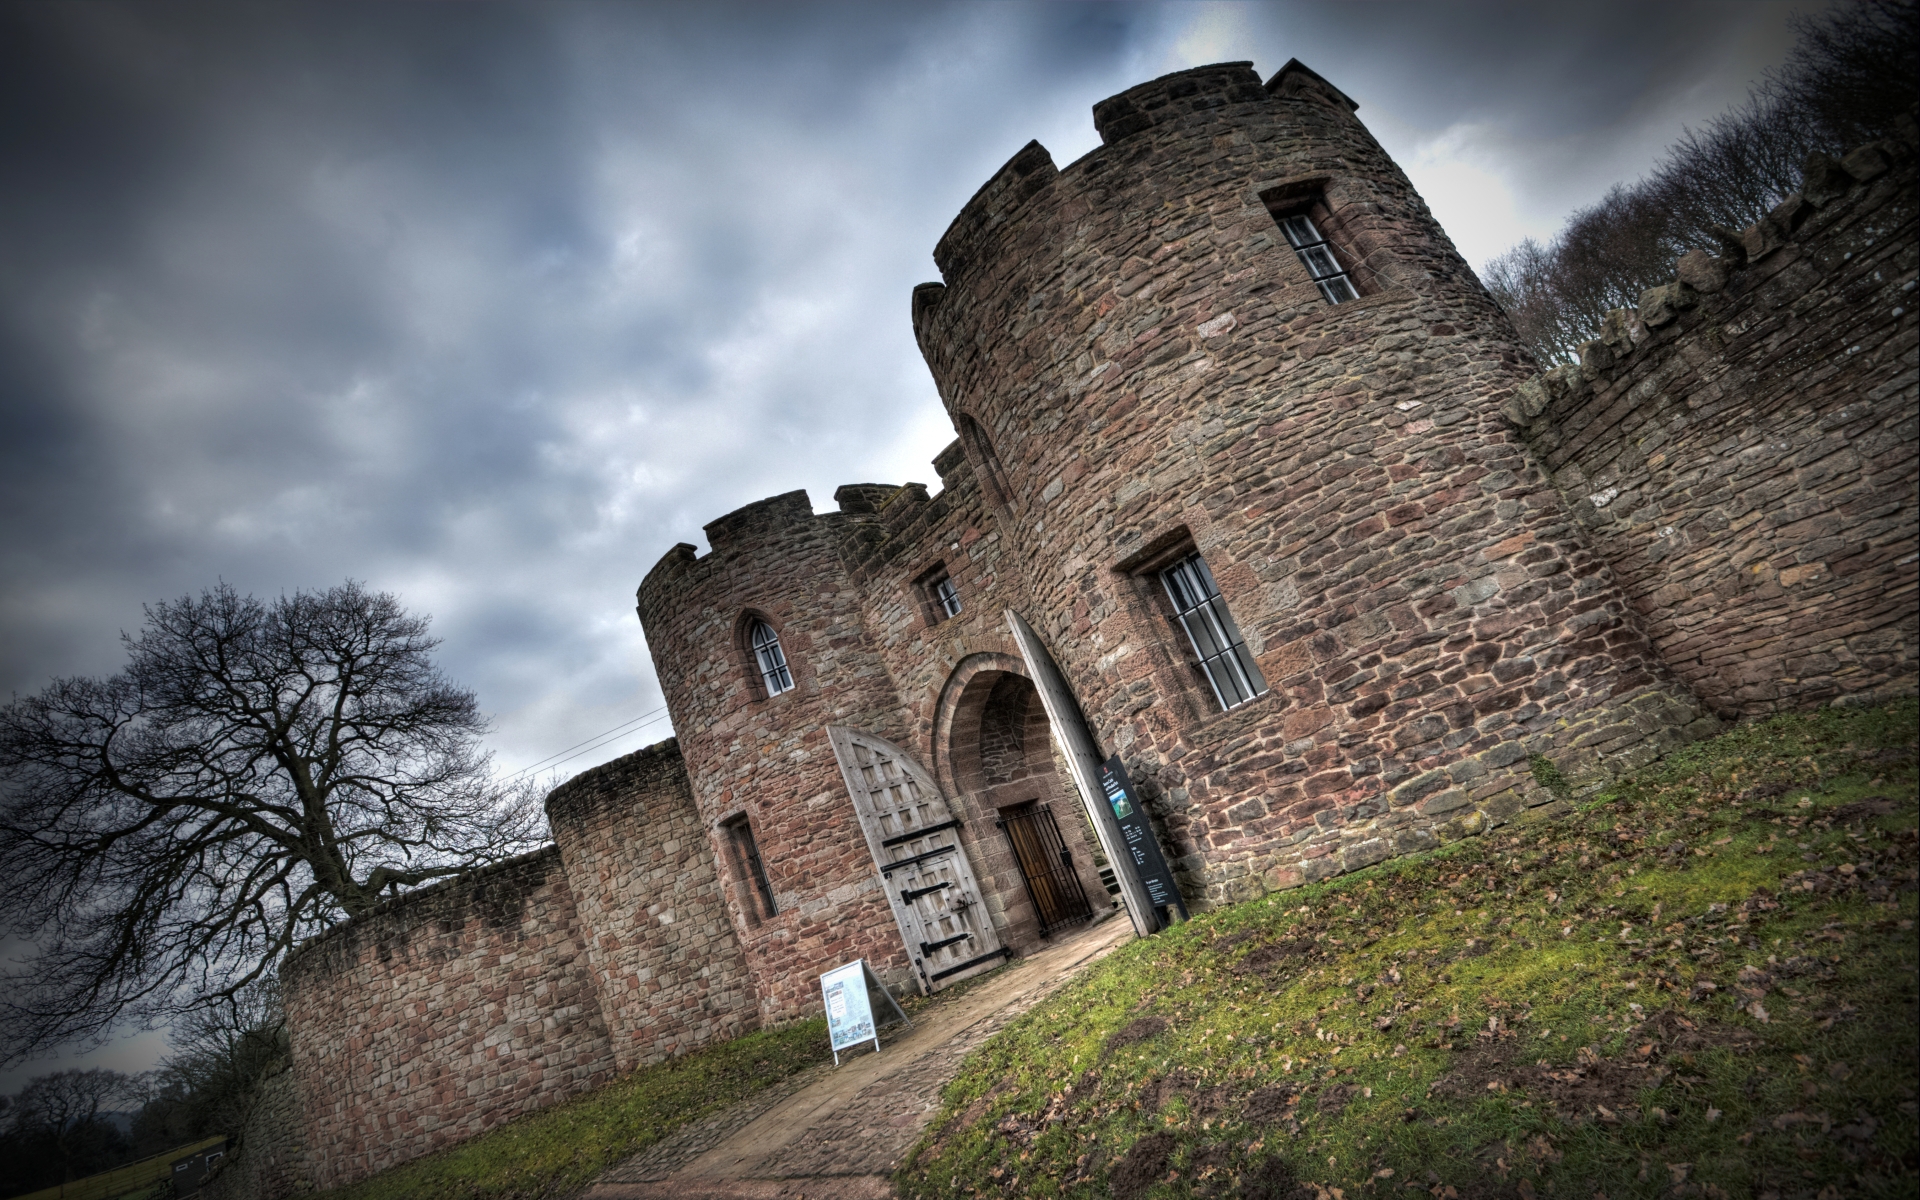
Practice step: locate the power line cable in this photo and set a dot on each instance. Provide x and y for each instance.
(577, 745)
(609, 739)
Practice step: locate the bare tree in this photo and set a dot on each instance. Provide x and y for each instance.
(257, 773)
(1852, 70)
(58, 1123)
(222, 1053)
(1522, 282)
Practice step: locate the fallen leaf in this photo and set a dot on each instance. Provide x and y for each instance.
(1679, 1171)
(1758, 1012)
(1713, 1114)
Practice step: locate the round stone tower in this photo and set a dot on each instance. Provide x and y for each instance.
(801, 884)
(1235, 330)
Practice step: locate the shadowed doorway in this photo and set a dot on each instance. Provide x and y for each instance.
(1039, 854)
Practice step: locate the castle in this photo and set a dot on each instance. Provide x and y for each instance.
(1253, 489)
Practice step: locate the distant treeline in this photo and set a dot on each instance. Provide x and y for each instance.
(1850, 78)
(66, 1125)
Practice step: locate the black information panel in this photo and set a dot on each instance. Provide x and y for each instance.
(1148, 863)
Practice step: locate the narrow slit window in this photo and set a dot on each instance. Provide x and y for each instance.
(747, 851)
(1223, 654)
(772, 661)
(1316, 255)
(946, 597)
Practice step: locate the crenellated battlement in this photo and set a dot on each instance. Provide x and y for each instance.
(1175, 97)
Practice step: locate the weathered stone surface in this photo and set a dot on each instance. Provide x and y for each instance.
(1703, 272)
(1749, 474)
(447, 1012)
(670, 972)
(1663, 305)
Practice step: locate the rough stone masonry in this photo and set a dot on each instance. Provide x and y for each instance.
(1441, 562)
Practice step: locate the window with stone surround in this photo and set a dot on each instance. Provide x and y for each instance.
(941, 597)
(776, 676)
(756, 891)
(1315, 230)
(1221, 652)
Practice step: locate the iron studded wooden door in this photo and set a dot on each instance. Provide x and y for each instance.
(915, 843)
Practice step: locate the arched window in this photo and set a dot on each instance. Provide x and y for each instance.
(775, 675)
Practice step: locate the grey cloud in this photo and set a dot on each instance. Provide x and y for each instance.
(492, 304)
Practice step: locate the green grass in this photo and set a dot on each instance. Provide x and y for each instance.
(560, 1149)
(1701, 983)
(556, 1151)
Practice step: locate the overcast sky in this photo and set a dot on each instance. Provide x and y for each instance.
(490, 305)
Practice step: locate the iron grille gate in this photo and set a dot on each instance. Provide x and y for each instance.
(1046, 867)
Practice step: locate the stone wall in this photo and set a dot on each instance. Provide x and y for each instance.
(1742, 447)
(445, 1013)
(670, 971)
(268, 1160)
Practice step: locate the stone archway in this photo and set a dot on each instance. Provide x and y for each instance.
(994, 753)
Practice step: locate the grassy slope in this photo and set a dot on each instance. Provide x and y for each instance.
(1702, 983)
(559, 1149)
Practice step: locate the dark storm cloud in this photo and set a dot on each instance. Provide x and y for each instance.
(490, 305)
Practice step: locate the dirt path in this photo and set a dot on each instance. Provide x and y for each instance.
(839, 1133)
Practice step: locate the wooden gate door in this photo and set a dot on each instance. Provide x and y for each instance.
(915, 842)
(1046, 867)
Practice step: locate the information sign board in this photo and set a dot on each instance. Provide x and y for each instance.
(1148, 863)
(848, 992)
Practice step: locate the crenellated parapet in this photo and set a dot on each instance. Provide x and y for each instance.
(1741, 445)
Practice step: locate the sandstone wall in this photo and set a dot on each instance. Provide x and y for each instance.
(269, 1160)
(767, 757)
(947, 670)
(670, 971)
(1151, 370)
(1742, 447)
(449, 1011)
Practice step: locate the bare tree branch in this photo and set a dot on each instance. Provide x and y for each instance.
(257, 773)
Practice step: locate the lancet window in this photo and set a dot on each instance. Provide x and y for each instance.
(775, 675)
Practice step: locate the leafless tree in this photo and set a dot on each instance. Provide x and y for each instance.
(211, 1083)
(61, 1117)
(257, 773)
(1850, 76)
(1522, 283)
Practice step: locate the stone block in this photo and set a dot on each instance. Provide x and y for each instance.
(1444, 802)
(1364, 854)
(1703, 272)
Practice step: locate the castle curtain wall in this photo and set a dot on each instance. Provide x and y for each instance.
(1742, 449)
(670, 972)
(447, 1012)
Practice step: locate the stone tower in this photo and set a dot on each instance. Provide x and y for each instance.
(1142, 366)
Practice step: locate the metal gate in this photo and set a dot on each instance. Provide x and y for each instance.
(1046, 866)
(914, 838)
